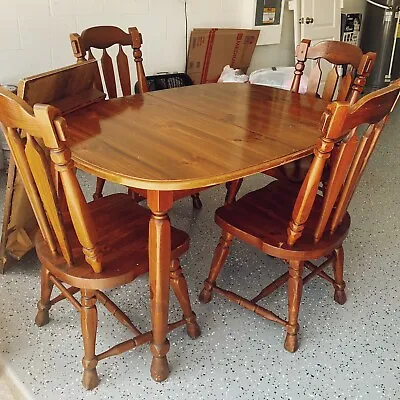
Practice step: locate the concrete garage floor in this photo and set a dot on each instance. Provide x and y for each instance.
(346, 352)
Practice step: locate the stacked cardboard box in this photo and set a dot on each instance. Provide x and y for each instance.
(211, 49)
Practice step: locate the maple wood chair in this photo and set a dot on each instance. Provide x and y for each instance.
(88, 246)
(343, 56)
(295, 223)
(357, 67)
(66, 88)
(104, 37)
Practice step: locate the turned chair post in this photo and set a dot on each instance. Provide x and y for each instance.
(77, 47)
(362, 74)
(137, 42)
(301, 56)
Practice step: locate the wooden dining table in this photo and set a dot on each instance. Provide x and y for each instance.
(186, 138)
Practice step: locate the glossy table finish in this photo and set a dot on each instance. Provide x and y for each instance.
(188, 138)
(193, 136)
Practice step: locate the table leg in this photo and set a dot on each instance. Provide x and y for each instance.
(159, 265)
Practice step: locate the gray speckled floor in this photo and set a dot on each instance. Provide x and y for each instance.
(346, 352)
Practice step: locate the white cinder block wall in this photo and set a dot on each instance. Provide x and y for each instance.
(35, 33)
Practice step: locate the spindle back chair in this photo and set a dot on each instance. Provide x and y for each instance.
(104, 37)
(32, 164)
(340, 55)
(67, 88)
(293, 222)
(89, 246)
(357, 67)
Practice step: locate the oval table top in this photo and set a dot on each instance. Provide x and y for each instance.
(193, 136)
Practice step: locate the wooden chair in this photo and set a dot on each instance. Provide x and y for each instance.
(343, 56)
(104, 37)
(357, 67)
(296, 224)
(67, 88)
(88, 246)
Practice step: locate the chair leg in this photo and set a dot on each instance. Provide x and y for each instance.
(89, 328)
(340, 295)
(295, 288)
(197, 204)
(46, 287)
(179, 285)
(99, 189)
(135, 196)
(232, 189)
(227, 187)
(220, 255)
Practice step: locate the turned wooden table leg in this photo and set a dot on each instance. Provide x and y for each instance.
(159, 265)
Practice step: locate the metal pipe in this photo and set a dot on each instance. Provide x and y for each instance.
(379, 5)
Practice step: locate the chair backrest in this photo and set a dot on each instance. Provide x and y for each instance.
(338, 128)
(44, 123)
(357, 67)
(104, 37)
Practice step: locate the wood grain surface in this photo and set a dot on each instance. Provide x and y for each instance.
(193, 136)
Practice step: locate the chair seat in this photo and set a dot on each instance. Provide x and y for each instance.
(261, 218)
(123, 225)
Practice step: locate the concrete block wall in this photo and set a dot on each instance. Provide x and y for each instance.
(35, 33)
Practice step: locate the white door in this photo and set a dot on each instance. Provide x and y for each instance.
(318, 20)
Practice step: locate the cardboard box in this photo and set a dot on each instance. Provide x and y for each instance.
(211, 49)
